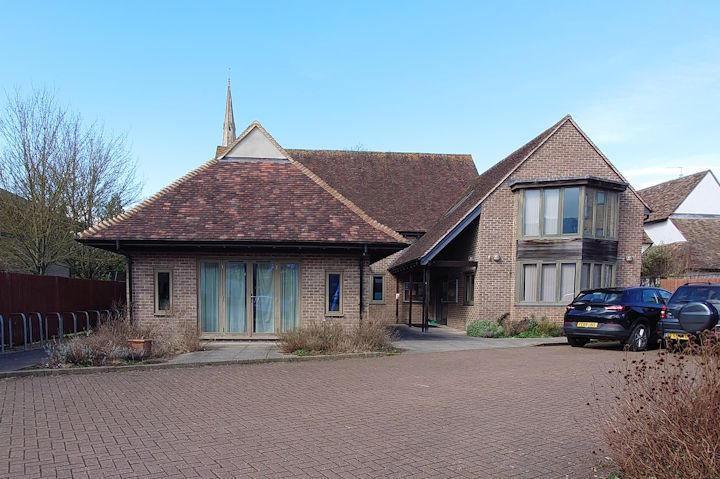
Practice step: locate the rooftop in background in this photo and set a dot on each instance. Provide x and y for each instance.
(701, 251)
(665, 198)
(406, 191)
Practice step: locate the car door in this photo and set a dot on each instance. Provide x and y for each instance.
(652, 303)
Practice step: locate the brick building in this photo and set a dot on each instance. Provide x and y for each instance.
(261, 239)
(551, 219)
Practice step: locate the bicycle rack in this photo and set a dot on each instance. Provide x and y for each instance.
(74, 317)
(39, 317)
(87, 321)
(25, 329)
(60, 326)
(97, 312)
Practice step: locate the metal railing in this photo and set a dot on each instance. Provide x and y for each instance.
(44, 328)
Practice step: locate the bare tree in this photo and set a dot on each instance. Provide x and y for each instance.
(33, 168)
(64, 177)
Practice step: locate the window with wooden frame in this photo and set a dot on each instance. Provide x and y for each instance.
(544, 282)
(569, 211)
(163, 291)
(378, 289)
(449, 291)
(469, 288)
(418, 292)
(333, 293)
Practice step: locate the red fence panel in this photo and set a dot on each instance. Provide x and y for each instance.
(671, 284)
(25, 293)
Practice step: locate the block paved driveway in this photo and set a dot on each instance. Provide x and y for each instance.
(490, 413)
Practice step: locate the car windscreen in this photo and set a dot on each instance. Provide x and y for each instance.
(688, 294)
(600, 297)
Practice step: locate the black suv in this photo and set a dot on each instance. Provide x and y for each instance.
(629, 315)
(692, 308)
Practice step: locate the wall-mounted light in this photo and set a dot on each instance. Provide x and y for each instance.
(629, 258)
(494, 257)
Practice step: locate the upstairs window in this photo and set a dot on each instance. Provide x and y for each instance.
(571, 209)
(557, 211)
(532, 213)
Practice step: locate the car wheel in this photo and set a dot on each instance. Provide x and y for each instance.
(577, 342)
(638, 339)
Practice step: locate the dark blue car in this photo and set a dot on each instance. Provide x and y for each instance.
(629, 315)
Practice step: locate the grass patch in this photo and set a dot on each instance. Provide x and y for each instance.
(328, 337)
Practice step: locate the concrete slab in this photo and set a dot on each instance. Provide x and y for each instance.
(231, 351)
(443, 339)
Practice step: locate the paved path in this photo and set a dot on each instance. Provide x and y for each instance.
(222, 351)
(16, 360)
(409, 339)
(439, 339)
(517, 412)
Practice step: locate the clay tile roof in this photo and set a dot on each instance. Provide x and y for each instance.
(469, 200)
(223, 200)
(406, 191)
(701, 252)
(666, 197)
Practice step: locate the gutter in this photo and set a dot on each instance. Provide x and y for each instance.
(128, 280)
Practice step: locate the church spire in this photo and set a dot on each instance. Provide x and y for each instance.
(229, 125)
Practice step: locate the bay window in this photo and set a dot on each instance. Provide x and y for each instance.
(558, 282)
(569, 211)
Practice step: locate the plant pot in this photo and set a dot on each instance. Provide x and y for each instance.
(142, 348)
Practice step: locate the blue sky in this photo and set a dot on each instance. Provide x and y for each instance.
(641, 78)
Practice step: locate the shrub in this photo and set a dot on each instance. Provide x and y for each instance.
(483, 328)
(663, 417)
(329, 337)
(545, 328)
(532, 328)
(515, 328)
(370, 336)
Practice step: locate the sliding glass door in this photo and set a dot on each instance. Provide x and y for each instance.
(210, 297)
(245, 298)
(235, 297)
(263, 298)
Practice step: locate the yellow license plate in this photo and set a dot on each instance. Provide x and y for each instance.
(585, 324)
(679, 336)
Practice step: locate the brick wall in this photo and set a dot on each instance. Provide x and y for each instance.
(568, 153)
(384, 311)
(185, 287)
(565, 154)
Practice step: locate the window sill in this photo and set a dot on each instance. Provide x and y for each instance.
(377, 302)
(334, 315)
(162, 313)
